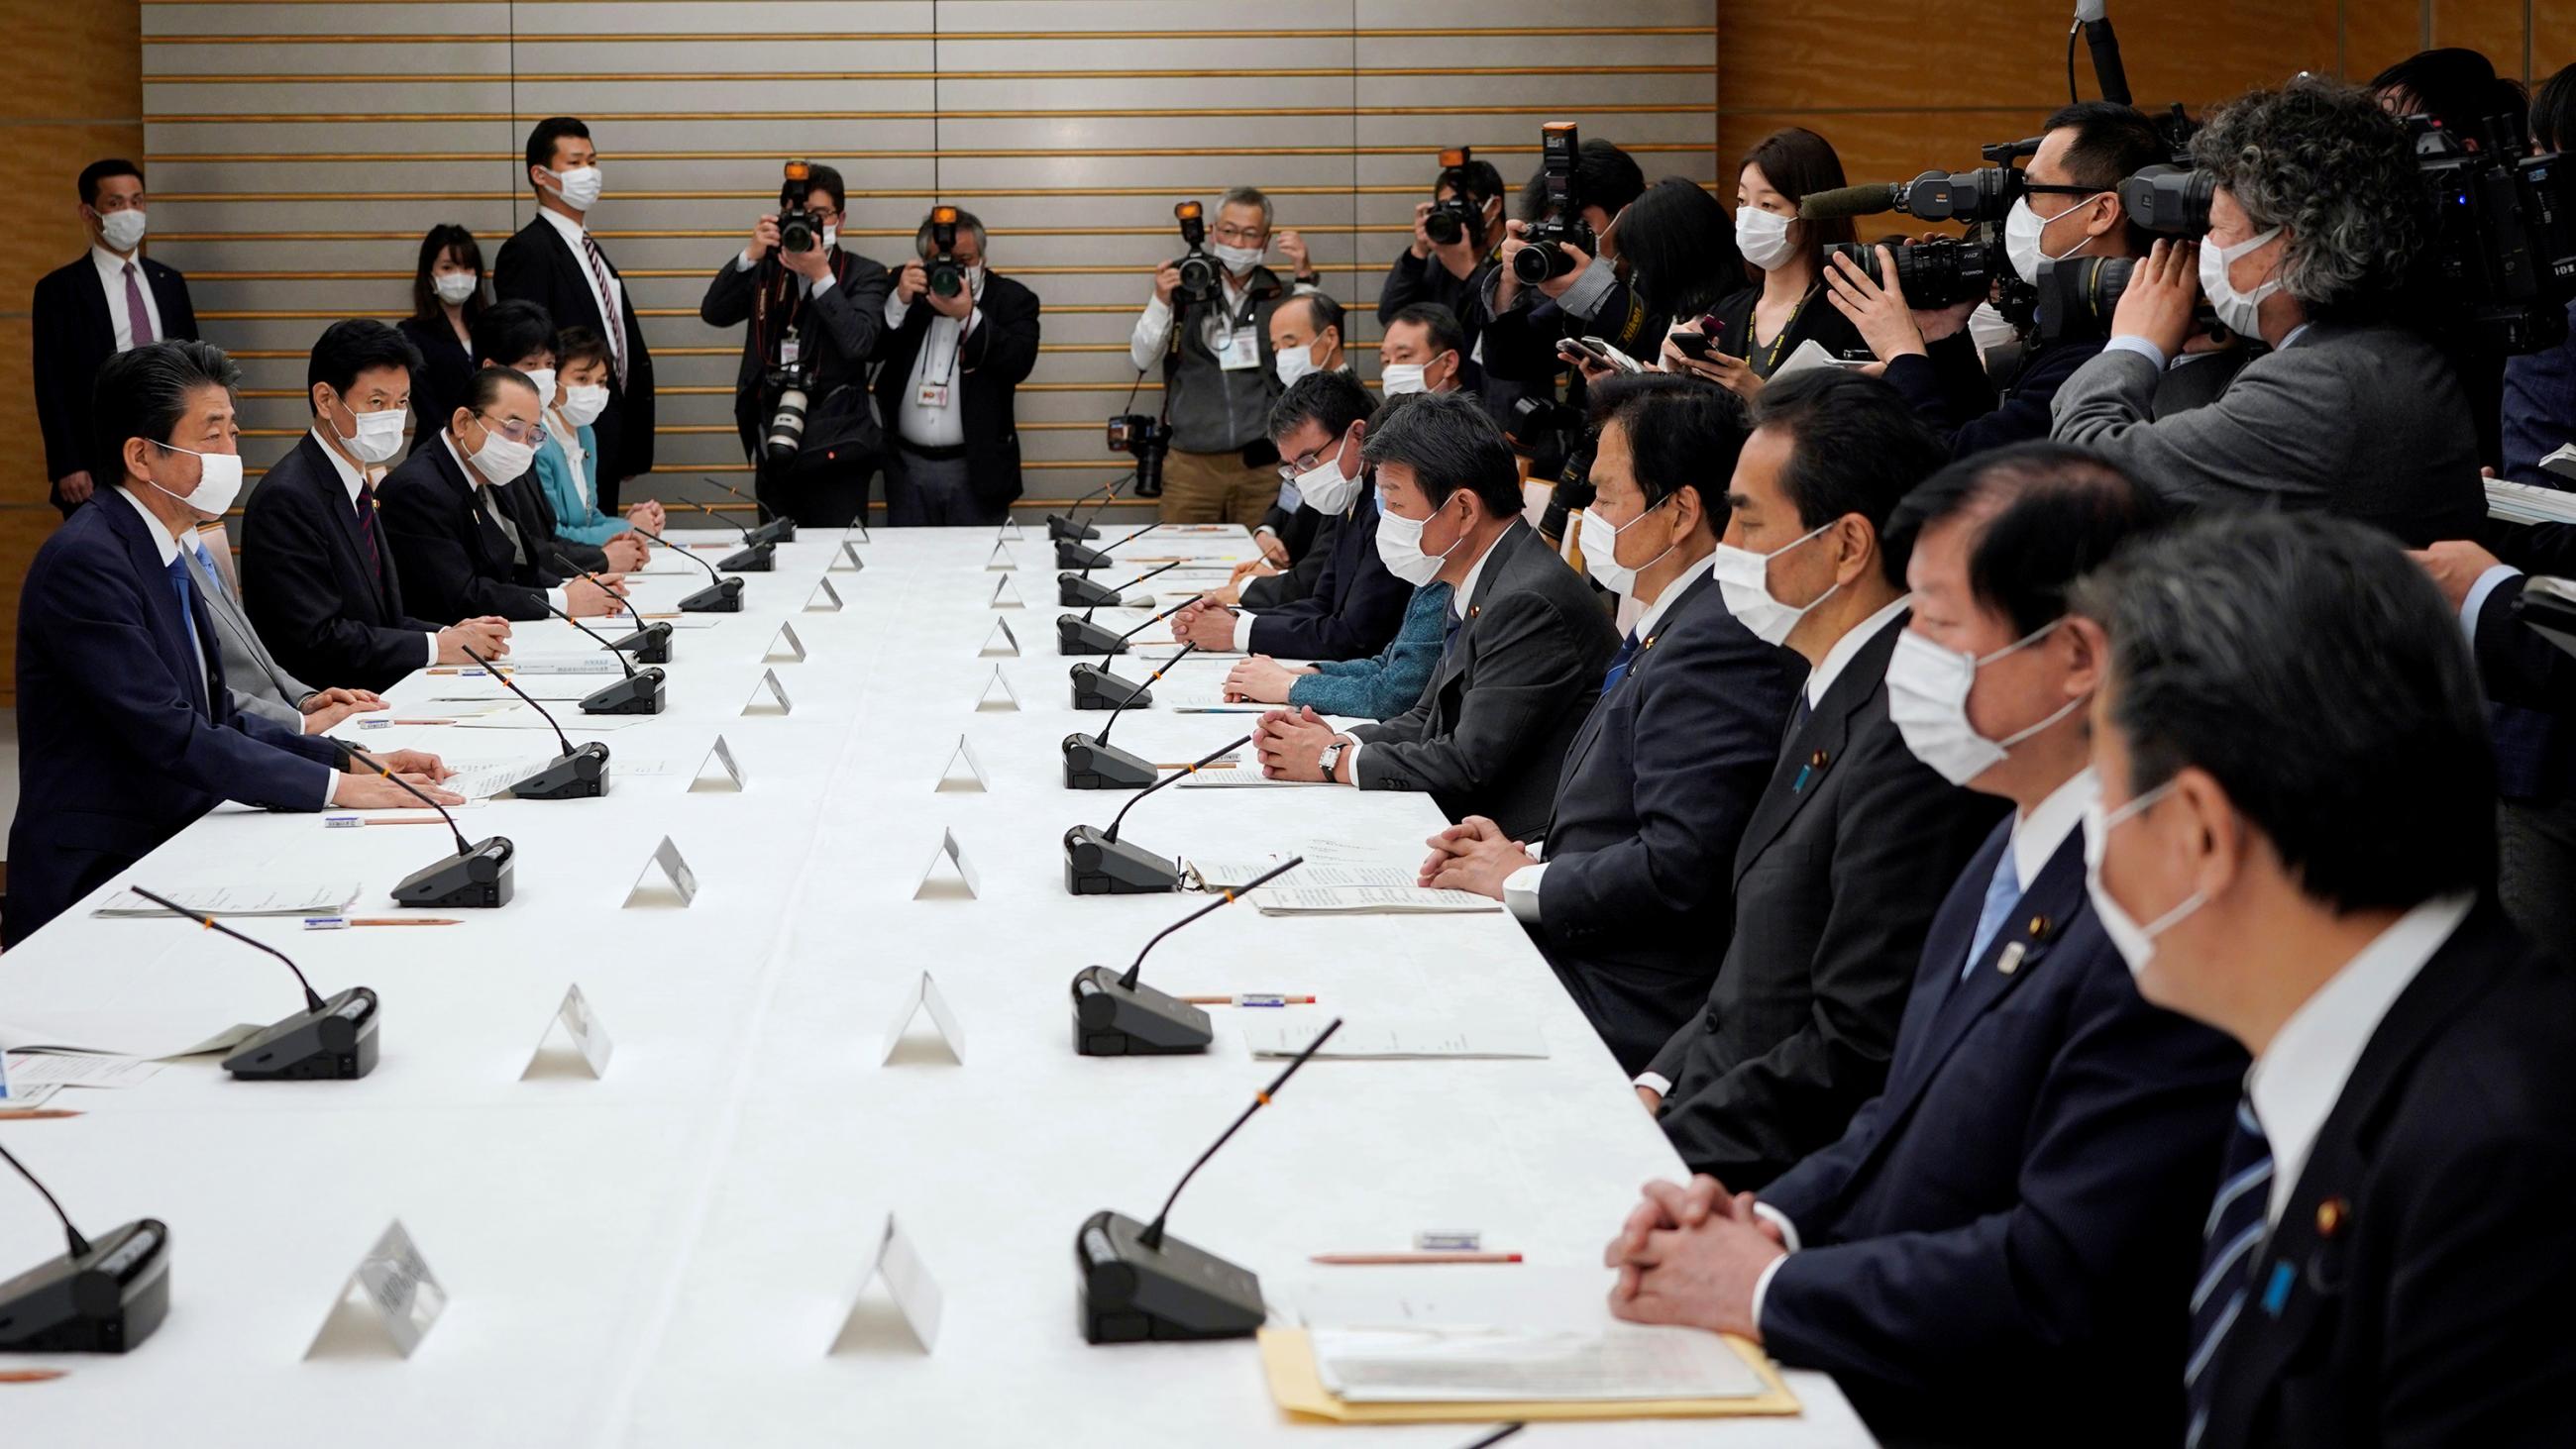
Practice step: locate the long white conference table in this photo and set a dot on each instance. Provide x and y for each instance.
(665, 1255)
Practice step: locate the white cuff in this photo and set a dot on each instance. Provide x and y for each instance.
(331, 788)
(1654, 1082)
(1762, 1288)
(1265, 528)
(556, 598)
(1242, 632)
(824, 285)
(432, 661)
(1520, 892)
(2140, 346)
(896, 309)
(1351, 756)
(1780, 1220)
(743, 262)
(2476, 602)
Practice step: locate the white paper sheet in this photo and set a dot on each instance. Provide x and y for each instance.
(270, 898)
(1396, 1042)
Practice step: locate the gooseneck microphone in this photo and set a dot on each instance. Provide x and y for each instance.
(1091, 763)
(581, 774)
(779, 528)
(1073, 591)
(651, 643)
(1071, 526)
(1116, 1016)
(102, 1297)
(752, 558)
(724, 596)
(481, 876)
(1078, 635)
(1138, 1284)
(332, 1040)
(1071, 555)
(1098, 863)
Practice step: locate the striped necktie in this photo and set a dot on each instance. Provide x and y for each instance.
(2230, 1242)
(607, 304)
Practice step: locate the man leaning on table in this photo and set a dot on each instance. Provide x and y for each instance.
(1526, 645)
(125, 730)
(2000, 1247)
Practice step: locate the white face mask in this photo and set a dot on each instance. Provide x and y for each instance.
(1323, 488)
(1744, 582)
(1399, 547)
(544, 380)
(2135, 943)
(379, 435)
(2022, 227)
(219, 481)
(1238, 260)
(2241, 311)
(1295, 363)
(1927, 697)
(583, 402)
(455, 287)
(1399, 378)
(1763, 237)
(975, 279)
(499, 459)
(122, 230)
(831, 237)
(1600, 544)
(579, 187)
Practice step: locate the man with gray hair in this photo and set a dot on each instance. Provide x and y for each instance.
(1218, 368)
(949, 365)
(2312, 232)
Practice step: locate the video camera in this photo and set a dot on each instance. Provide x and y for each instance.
(946, 275)
(1199, 272)
(1147, 439)
(1459, 216)
(1560, 222)
(1940, 271)
(799, 230)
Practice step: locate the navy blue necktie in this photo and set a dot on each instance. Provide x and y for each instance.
(180, 586)
(1619, 662)
(2230, 1241)
(1798, 718)
(1449, 635)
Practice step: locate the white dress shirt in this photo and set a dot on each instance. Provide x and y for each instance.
(1521, 887)
(936, 363)
(1459, 604)
(169, 547)
(352, 480)
(483, 500)
(111, 279)
(574, 234)
(2300, 1076)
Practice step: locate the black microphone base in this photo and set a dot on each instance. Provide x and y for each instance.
(1073, 591)
(719, 598)
(1169, 1292)
(482, 879)
(1061, 528)
(1071, 555)
(1095, 865)
(650, 644)
(1111, 1020)
(757, 559)
(1097, 688)
(1075, 635)
(639, 693)
(107, 1300)
(337, 1043)
(1091, 765)
(581, 775)
(776, 530)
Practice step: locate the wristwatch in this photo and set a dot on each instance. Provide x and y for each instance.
(1332, 755)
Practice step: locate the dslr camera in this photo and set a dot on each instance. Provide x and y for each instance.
(946, 274)
(799, 230)
(1199, 272)
(1560, 222)
(1458, 216)
(786, 433)
(1145, 438)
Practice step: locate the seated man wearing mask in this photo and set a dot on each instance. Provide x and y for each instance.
(2001, 1244)
(1305, 337)
(1422, 351)
(1527, 642)
(521, 337)
(568, 463)
(1630, 904)
(1321, 428)
(126, 731)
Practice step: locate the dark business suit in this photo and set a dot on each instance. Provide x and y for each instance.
(456, 559)
(2516, 662)
(992, 363)
(1308, 537)
(1654, 795)
(440, 383)
(2415, 1289)
(529, 508)
(307, 584)
(537, 265)
(1490, 732)
(1946, 385)
(122, 739)
(1356, 606)
(1999, 1247)
(1850, 850)
(75, 335)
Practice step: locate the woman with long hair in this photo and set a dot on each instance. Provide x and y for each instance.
(1763, 325)
(447, 294)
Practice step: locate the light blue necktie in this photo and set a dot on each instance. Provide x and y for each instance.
(2002, 894)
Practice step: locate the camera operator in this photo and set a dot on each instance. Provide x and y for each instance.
(2312, 229)
(1219, 373)
(815, 312)
(2539, 411)
(1521, 325)
(2071, 208)
(959, 339)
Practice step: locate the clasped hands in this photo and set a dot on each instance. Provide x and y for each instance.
(1690, 1256)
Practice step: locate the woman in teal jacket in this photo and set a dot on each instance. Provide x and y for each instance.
(568, 460)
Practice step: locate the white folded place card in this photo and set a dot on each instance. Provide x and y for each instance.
(390, 1299)
(1001, 643)
(925, 995)
(666, 859)
(1010, 528)
(973, 780)
(722, 756)
(956, 858)
(998, 696)
(1001, 558)
(785, 646)
(908, 1282)
(1004, 596)
(579, 1026)
(777, 693)
(849, 561)
(826, 599)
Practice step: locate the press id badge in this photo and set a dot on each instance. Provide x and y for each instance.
(790, 347)
(1238, 350)
(932, 395)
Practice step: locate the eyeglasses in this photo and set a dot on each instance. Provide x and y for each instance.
(2056, 190)
(1239, 235)
(530, 432)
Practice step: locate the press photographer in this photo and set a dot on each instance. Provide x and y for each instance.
(1457, 242)
(959, 341)
(2314, 219)
(1548, 284)
(801, 398)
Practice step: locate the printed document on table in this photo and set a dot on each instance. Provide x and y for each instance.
(528, 719)
(77, 1070)
(1219, 875)
(1371, 901)
(593, 661)
(292, 898)
(1399, 1042)
(1466, 1364)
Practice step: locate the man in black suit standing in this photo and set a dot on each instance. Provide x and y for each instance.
(1854, 841)
(1628, 903)
(1527, 642)
(554, 262)
(2296, 844)
(2000, 1245)
(318, 577)
(949, 370)
(113, 300)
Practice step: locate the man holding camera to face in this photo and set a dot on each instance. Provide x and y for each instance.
(958, 341)
(801, 398)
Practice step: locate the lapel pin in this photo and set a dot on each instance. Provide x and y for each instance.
(2039, 928)
(2330, 1216)
(2276, 1292)
(1820, 759)
(2010, 961)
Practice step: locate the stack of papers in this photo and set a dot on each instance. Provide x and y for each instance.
(1377, 900)
(1397, 1043)
(327, 898)
(1508, 1365)
(591, 662)
(2524, 503)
